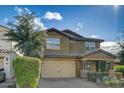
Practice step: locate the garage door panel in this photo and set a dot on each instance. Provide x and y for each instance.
(58, 69)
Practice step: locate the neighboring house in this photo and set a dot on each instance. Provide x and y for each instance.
(6, 53)
(68, 52)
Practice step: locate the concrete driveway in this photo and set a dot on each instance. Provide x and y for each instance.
(67, 83)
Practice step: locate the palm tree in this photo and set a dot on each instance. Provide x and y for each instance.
(27, 35)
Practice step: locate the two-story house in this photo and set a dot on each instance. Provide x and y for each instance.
(68, 52)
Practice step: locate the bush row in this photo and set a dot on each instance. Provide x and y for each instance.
(119, 68)
(93, 76)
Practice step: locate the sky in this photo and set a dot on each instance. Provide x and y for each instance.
(104, 22)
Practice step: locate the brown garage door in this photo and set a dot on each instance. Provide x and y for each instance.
(58, 69)
(1, 63)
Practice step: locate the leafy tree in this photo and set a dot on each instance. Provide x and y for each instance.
(121, 53)
(27, 34)
(121, 43)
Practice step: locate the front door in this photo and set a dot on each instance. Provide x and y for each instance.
(97, 66)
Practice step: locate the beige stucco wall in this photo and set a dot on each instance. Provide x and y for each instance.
(94, 67)
(79, 67)
(79, 46)
(1, 62)
(8, 64)
(69, 45)
(97, 44)
(76, 46)
(4, 44)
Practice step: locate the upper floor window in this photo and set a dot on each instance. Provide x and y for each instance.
(53, 43)
(89, 46)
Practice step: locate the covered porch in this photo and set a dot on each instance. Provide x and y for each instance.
(96, 65)
(95, 60)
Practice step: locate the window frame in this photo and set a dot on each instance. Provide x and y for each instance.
(57, 37)
(90, 46)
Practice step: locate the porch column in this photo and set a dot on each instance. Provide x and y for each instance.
(99, 66)
(83, 64)
(111, 65)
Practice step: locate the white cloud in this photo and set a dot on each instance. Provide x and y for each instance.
(80, 25)
(20, 10)
(39, 24)
(37, 21)
(106, 44)
(77, 29)
(112, 47)
(5, 20)
(94, 36)
(53, 16)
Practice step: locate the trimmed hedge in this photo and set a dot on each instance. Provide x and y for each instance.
(27, 71)
(93, 76)
(119, 68)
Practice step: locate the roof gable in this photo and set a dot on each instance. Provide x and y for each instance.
(3, 28)
(98, 54)
(57, 31)
(73, 35)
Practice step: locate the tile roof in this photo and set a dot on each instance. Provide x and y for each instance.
(74, 54)
(95, 51)
(60, 54)
(73, 35)
(4, 51)
(76, 36)
(4, 27)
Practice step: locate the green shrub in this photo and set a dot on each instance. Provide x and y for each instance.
(27, 71)
(119, 68)
(99, 76)
(103, 66)
(121, 84)
(93, 76)
(114, 83)
(105, 78)
(110, 82)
